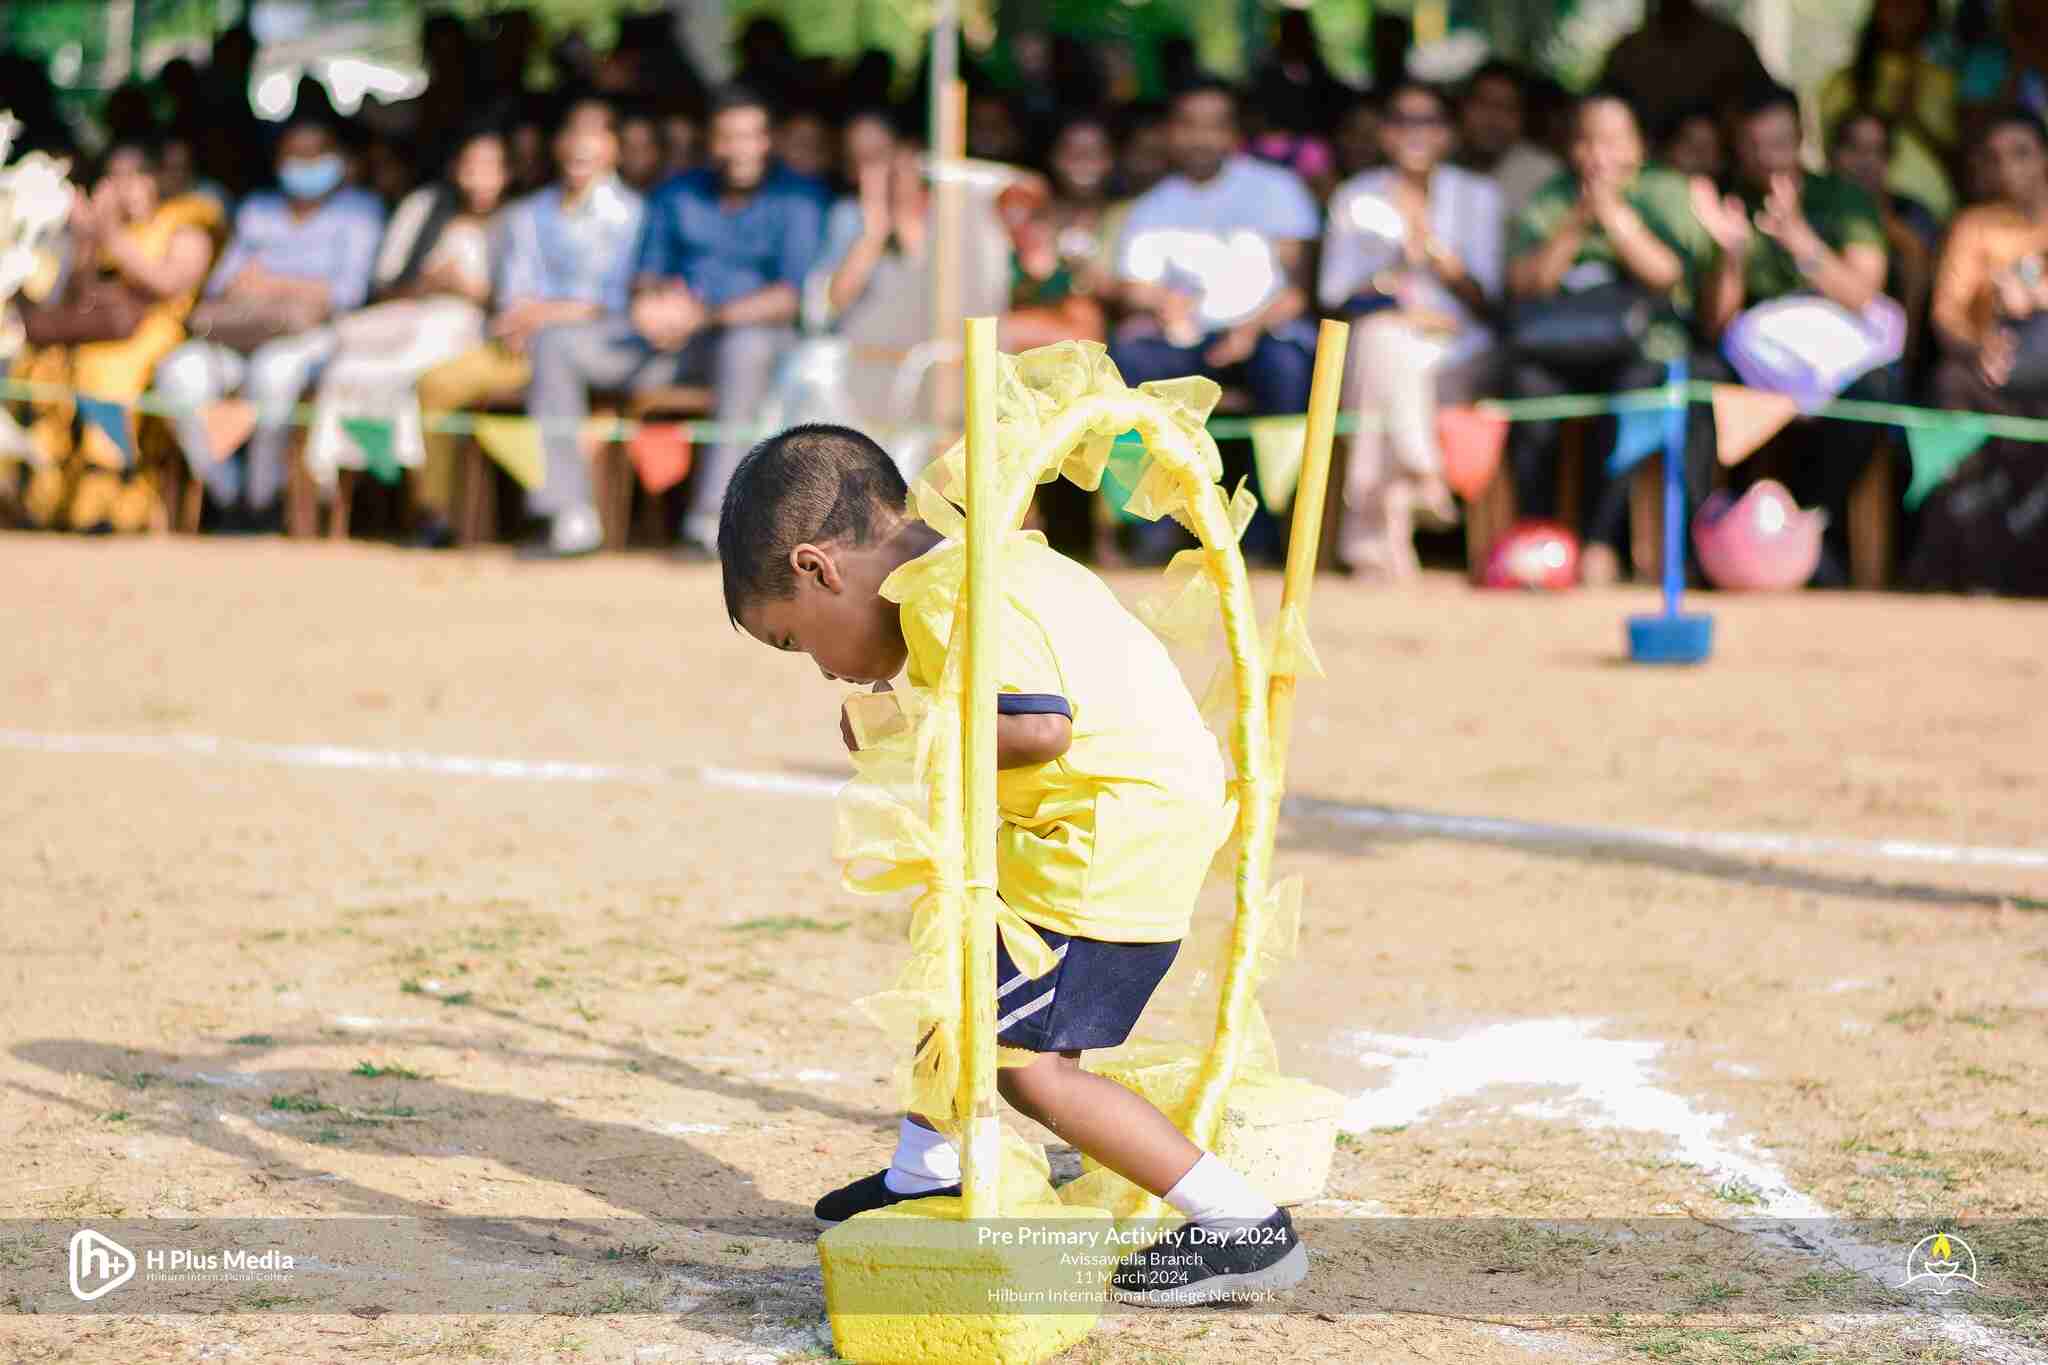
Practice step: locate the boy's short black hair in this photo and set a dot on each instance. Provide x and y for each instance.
(813, 482)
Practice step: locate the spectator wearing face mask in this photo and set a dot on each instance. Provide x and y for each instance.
(299, 255)
(432, 282)
(715, 298)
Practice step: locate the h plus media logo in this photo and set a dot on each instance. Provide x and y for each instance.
(99, 1265)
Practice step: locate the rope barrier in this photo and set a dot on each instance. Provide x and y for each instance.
(1546, 409)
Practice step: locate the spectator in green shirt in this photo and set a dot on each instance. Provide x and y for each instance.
(1790, 232)
(1609, 223)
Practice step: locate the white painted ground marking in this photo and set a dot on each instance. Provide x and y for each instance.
(232, 1080)
(1429, 823)
(685, 1129)
(1608, 1084)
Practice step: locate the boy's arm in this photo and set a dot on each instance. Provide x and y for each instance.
(1031, 728)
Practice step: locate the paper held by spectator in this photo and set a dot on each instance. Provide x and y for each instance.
(1810, 348)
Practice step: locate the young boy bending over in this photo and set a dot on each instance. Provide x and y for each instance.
(1111, 792)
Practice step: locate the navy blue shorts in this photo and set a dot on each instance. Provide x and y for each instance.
(1091, 997)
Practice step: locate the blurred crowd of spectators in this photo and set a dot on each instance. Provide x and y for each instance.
(484, 245)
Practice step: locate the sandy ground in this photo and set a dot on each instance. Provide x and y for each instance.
(603, 1016)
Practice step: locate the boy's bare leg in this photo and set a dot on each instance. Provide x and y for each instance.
(1118, 1127)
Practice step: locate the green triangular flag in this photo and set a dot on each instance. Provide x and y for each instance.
(372, 436)
(1276, 451)
(1936, 453)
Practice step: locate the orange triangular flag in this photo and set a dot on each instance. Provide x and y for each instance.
(1746, 418)
(1471, 441)
(662, 455)
(228, 423)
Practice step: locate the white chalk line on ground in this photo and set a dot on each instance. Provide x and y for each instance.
(1609, 1083)
(1431, 824)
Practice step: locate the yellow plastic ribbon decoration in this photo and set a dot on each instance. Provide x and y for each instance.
(1060, 409)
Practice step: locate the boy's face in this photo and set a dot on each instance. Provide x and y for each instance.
(847, 627)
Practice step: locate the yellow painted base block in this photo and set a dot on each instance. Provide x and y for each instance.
(913, 1282)
(1279, 1132)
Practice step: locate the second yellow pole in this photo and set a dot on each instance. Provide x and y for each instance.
(981, 1146)
(1305, 540)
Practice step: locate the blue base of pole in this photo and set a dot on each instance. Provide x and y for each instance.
(1662, 639)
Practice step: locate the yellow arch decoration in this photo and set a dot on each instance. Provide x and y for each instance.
(1041, 415)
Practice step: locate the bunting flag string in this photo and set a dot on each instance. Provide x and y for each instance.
(372, 436)
(1276, 454)
(661, 455)
(1471, 440)
(1744, 419)
(514, 442)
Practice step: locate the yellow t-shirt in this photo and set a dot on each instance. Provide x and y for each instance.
(1113, 839)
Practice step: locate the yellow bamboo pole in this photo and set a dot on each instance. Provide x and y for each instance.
(981, 1150)
(1305, 540)
(948, 196)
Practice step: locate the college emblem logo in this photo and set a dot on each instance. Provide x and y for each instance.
(1941, 1261)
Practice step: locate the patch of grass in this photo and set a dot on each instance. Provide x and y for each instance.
(459, 998)
(1912, 1020)
(1715, 1293)
(626, 1252)
(254, 1040)
(382, 1112)
(376, 1072)
(620, 1297)
(327, 1136)
(1388, 1130)
(775, 925)
(136, 1080)
(585, 1013)
(299, 1104)
(1978, 1073)
(1973, 1020)
(114, 1116)
(1348, 1142)
(1738, 1191)
(256, 1298)
(411, 987)
(672, 979)
(735, 1248)
(1820, 1286)
(543, 983)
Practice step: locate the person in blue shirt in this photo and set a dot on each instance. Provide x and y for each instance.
(717, 282)
(302, 252)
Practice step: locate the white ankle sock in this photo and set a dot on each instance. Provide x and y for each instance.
(1211, 1192)
(924, 1161)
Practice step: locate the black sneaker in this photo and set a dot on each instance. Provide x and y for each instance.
(869, 1192)
(1203, 1262)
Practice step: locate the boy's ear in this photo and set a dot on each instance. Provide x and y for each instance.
(815, 564)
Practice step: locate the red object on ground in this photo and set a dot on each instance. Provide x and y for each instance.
(1537, 555)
